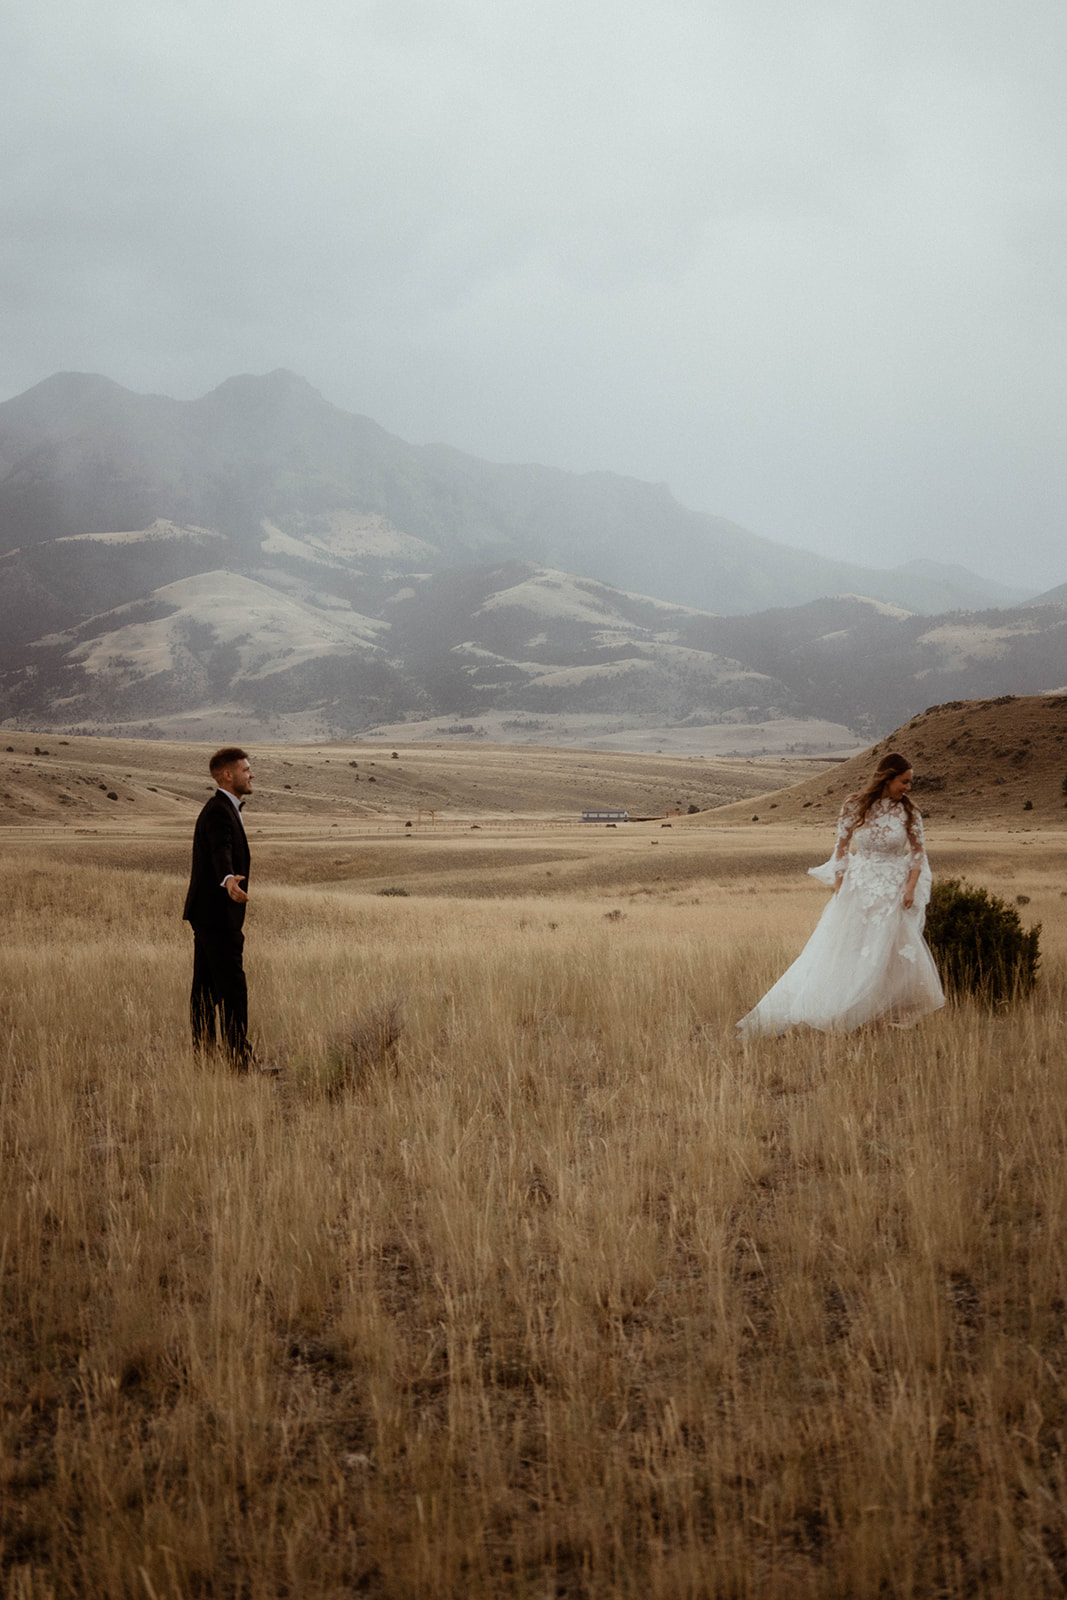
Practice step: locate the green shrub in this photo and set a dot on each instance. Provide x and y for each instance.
(979, 944)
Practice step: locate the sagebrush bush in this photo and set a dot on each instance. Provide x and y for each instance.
(979, 943)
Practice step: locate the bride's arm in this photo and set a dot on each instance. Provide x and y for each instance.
(846, 822)
(917, 860)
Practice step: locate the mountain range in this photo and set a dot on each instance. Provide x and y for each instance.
(170, 565)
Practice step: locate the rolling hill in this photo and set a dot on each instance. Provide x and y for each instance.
(304, 647)
(1001, 761)
(104, 785)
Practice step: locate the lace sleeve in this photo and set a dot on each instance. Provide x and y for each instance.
(916, 844)
(846, 824)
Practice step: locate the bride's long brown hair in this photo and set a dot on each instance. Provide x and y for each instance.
(891, 766)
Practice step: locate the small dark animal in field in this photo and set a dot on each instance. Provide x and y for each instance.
(368, 1043)
(373, 1037)
(535, 1189)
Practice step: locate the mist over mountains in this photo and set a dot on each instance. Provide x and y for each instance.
(260, 553)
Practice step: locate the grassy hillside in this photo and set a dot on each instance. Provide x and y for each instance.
(1001, 762)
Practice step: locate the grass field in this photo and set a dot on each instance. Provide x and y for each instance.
(569, 1293)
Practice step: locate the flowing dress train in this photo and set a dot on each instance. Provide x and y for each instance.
(867, 959)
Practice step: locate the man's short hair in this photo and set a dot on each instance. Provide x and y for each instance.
(228, 756)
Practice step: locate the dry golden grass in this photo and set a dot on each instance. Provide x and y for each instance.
(567, 1294)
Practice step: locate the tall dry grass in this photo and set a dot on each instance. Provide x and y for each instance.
(569, 1295)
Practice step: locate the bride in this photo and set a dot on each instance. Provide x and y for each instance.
(867, 959)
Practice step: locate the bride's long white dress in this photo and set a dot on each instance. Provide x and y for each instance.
(867, 959)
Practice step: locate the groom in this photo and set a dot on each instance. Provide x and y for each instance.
(215, 905)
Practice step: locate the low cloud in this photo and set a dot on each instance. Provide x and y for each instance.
(802, 263)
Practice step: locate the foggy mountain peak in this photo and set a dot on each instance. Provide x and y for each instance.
(79, 454)
(278, 388)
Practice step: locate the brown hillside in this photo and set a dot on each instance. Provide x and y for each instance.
(974, 761)
(87, 782)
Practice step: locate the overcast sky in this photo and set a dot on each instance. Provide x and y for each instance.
(802, 260)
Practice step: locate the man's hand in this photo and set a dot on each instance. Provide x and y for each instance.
(232, 885)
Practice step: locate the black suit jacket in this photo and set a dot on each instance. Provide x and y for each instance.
(220, 846)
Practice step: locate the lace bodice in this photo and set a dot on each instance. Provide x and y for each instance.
(882, 836)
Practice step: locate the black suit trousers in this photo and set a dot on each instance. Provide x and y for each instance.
(219, 986)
